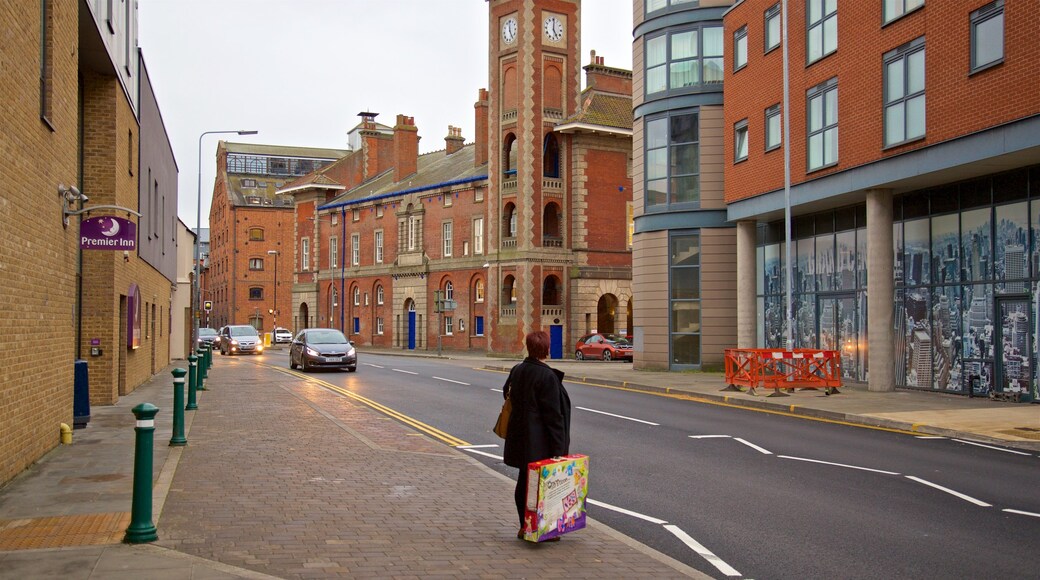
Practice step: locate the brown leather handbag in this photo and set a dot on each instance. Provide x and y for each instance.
(502, 424)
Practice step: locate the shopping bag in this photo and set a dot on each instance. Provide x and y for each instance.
(556, 490)
(503, 419)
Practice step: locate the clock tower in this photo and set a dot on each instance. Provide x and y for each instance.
(534, 79)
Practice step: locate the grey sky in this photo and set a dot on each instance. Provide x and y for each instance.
(299, 71)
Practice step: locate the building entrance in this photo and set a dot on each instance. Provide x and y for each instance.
(838, 330)
(1014, 371)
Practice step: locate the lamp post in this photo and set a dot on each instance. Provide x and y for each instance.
(197, 302)
(274, 311)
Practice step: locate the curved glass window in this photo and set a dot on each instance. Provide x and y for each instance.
(684, 60)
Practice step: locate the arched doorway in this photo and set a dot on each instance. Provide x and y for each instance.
(606, 311)
(409, 311)
(303, 319)
(628, 322)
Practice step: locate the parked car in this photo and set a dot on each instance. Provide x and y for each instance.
(282, 335)
(603, 346)
(322, 348)
(240, 339)
(207, 336)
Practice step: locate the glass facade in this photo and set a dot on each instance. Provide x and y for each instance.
(966, 269)
(684, 283)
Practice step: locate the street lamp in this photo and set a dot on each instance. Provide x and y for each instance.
(274, 311)
(197, 303)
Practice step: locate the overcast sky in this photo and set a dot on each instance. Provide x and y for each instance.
(299, 71)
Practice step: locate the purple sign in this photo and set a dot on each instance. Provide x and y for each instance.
(107, 233)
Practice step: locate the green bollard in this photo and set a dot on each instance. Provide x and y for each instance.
(141, 528)
(200, 381)
(207, 353)
(178, 439)
(193, 371)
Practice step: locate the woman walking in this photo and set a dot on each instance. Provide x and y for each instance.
(540, 423)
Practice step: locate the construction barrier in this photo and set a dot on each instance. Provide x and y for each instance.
(777, 369)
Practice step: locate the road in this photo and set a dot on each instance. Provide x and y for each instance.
(741, 493)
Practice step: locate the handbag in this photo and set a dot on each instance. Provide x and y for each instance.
(502, 425)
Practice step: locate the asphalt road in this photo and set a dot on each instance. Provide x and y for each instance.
(740, 493)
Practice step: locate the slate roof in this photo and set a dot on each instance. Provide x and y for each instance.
(603, 109)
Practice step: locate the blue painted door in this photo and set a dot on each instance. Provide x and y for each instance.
(357, 325)
(479, 323)
(556, 341)
(411, 330)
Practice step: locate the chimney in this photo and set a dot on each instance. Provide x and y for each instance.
(481, 112)
(406, 148)
(454, 141)
(605, 79)
(370, 138)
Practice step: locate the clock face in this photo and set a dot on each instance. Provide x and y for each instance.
(553, 29)
(509, 30)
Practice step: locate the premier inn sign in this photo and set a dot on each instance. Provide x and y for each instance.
(107, 233)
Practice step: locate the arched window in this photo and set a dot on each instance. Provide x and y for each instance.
(478, 291)
(509, 290)
(449, 290)
(256, 234)
(551, 230)
(509, 220)
(256, 293)
(379, 294)
(357, 296)
(551, 291)
(551, 157)
(509, 155)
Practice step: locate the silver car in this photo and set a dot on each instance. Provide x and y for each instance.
(240, 339)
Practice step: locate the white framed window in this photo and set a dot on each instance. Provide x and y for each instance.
(478, 194)
(904, 93)
(305, 254)
(413, 231)
(335, 218)
(355, 249)
(478, 291)
(449, 291)
(896, 8)
(822, 34)
(334, 252)
(379, 295)
(379, 325)
(366, 298)
(823, 125)
(357, 296)
(773, 137)
(256, 263)
(772, 27)
(446, 238)
(355, 214)
(478, 236)
(740, 48)
(379, 211)
(740, 141)
(448, 199)
(987, 36)
(379, 246)
(448, 325)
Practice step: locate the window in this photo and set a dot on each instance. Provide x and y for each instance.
(448, 325)
(379, 211)
(130, 151)
(449, 291)
(379, 294)
(512, 222)
(333, 252)
(46, 60)
(684, 299)
(740, 48)
(478, 291)
(355, 249)
(256, 235)
(904, 93)
(256, 293)
(683, 59)
(987, 36)
(256, 263)
(822, 36)
(379, 325)
(366, 298)
(357, 296)
(448, 197)
(772, 27)
(413, 231)
(772, 127)
(478, 194)
(478, 236)
(335, 218)
(446, 238)
(896, 8)
(672, 161)
(356, 214)
(823, 125)
(655, 5)
(740, 141)
(551, 157)
(379, 246)
(305, 254)
(248, 183)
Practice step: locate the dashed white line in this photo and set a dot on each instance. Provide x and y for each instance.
(1020, 512)
(406, 372)
(991, 447)
(478, 452)
(709, 436)
(451, 381)
(929, 437)
(497, 390)
(377, 366)
(475, 446)
(615, 508)
(618, 416)
(838, 464)
(968, 498)
(753, 446)
(704, 552)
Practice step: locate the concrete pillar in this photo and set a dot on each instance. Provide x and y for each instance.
(747, 305)
(880, 290)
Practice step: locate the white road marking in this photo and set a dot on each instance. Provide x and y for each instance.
(615, 508)
(950, 491)
(618, 416)
(704, 552)
(838, 464)
(377, 366)
(476, 446)
(1010, 511)
(708, 436)
(497, 390)
(991, 447)
(753, 446)
(929, 437)
(451, 381)
(406, 372)
(498, 457)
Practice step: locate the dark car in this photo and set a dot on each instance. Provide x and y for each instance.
(603, 346)
(240, 339)
(322, 348)
(207, 336)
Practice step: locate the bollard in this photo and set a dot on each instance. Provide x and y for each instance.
(207, 352)
(178, 439)
(200, 378)
(193, 369)
(141, 528)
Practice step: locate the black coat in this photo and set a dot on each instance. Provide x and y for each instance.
(540, 424)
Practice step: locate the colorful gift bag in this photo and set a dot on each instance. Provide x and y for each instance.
(556, 490)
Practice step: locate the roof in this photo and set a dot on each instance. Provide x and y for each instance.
(284, 150)
(600, 111)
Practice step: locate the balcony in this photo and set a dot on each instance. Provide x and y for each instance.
(509, 115)
(508, 242)
(509, 184)
(552, 185)
(508, 312)
(552, 242)
(550, 312)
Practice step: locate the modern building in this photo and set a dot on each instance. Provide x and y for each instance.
(914, 142)
(81, 129)
(181, 322)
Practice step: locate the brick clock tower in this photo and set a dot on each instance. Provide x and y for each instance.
(534, 78)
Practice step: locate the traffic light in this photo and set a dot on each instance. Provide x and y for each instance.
(207, 305)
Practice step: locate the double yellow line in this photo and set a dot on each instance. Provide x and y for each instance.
(413, 423)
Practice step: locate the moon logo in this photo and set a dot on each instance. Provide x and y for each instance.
(113, 230)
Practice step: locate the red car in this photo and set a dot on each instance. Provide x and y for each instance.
(603, 346)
